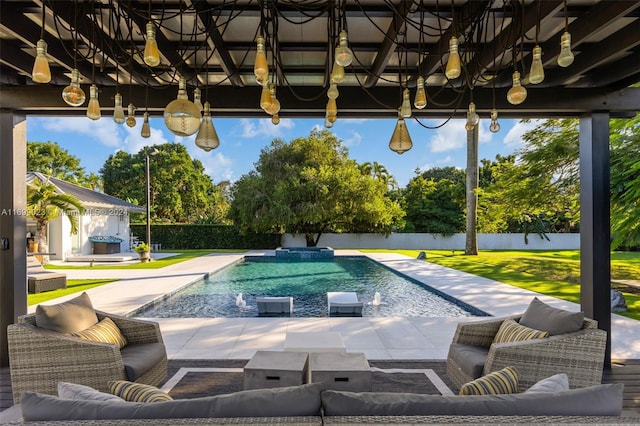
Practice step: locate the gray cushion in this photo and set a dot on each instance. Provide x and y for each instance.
(555, 383)
(142, 357)
(469, 358)
(543, 317)
(278, 402)
(71, 316)
(600, 400)
(76, 391)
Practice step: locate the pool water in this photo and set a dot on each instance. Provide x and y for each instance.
(308, 283)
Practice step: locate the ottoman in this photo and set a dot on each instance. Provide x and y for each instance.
(270, 369)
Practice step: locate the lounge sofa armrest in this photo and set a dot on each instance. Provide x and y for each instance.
(479, 333)
(580, 355)
(135, 330)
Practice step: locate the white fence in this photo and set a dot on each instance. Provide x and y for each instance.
(438, 242)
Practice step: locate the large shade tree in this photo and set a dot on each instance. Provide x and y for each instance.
(52, 160)
(310, 186)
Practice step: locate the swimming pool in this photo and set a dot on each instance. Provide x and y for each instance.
(308, 283)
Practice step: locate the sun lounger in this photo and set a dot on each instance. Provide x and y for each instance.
(274, 305)
(344, 304)
(39, 279)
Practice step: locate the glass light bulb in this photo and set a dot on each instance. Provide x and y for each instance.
(400, 139)
(344, 55)
(275, 119)
(73, 93)
(118, 111)
(453, 63)
(93, 109)
(565, 58)
(536, 75)
(151, 52)
(494, 127)
(131, 119)
(274, 108)
(146, 129)
(472, 117)
(420, 101)
(333, 93)
(265, 97)
(327, 123)
(332, 118)
(197, 98)
(332, 108)
(261, 68)
(41, 72)
(207, 138)
(405, 109)
(517, 94)
(337, 73)
(182, 116)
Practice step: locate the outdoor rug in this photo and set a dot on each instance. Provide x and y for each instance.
(196, 378)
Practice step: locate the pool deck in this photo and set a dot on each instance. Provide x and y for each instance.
(379, 338)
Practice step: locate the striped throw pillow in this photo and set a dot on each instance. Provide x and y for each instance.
(511, 331)
(137, 392)
(106, 331)
(499, 382)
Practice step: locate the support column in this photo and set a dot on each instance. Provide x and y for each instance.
(13, 224)
(595, 230)
(471, 241)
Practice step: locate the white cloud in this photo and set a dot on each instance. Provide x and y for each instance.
(354, 139)
(134, 142)
(105, 130)
(513, 139)
(354, 120)
(445, 160)
(449, 137)
(263, 127)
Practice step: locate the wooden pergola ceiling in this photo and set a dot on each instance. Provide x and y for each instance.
(212, 44)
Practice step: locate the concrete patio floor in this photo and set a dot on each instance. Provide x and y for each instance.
(379, 338)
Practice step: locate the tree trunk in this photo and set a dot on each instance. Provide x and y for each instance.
(471, 242)
(311, 241)
(41, 239)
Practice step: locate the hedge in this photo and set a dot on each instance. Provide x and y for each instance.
(185, 236)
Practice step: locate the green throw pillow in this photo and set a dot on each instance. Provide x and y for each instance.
(138, 392)
(504, 381)
(106, 331)
(511, 331)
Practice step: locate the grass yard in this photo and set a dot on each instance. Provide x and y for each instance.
(73, 286)
(554, 273)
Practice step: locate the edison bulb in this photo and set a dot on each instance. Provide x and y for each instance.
(344, 55)
(73, 93)
(181, 116)
(93, 109)
(197, 98)
(517, 94)
(536, 75)
(469, 127)
(472, 116)
(207, 138)
(328, 124)
(333, 93)
(274, 107)
(151, 52)
(265, 97)
(131, 119)
(453, 63)
(146, 129)
(337, 74)
(420, 101)
(331, 119)
(405, 109)
(565, 58)
(332, 107)
(400, 139)
(494, 127)
(261, 68)
(118, 111)
(41, 72)
(275, 120)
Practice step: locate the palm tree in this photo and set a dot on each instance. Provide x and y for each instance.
(45, 204)
(379, 172)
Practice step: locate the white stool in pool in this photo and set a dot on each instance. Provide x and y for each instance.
(274, 305)
(344, 303)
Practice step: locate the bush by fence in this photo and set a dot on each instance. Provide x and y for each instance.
(185, 236)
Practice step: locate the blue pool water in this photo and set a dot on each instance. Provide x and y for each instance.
(308, 283)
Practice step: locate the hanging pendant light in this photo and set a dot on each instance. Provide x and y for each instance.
(536, 75)
(494, 127)
(41, 72)
(151, 52)
(405, 109)
(337, 73)
(93, 109)
(565, 58)
(453, 69)
(472, 117)
(333, 92)
(400, 139)
(118, 111)
(146, 129)
(131, 119)
(332, 108)
(73, 93)
(328, 123)
(275, 120)
(274, 108)
(197, 98)
(261, 68)
(265, 97)
(420, 101)
(517, 94)
(181, 116)
(344, 55)
(207, 138)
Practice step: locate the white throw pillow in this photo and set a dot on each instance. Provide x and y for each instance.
(556, 383)
(75, 391)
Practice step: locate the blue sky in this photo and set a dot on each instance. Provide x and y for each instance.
(242, 139)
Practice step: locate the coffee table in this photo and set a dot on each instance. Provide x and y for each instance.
(344, 371)
(271, 369)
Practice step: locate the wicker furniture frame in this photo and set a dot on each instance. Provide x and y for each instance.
(40, 358)
(39, 279)
(580, 354)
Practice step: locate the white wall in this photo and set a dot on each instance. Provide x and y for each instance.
(438, 242)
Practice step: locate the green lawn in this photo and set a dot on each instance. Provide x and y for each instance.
(554, 273)
(73, 286)
(156, 264)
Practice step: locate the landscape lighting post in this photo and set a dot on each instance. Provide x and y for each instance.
(147, 153)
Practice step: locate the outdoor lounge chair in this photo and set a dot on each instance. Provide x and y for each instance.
(344, 304)
(39, 279)
(579, 354)
(269, 305)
